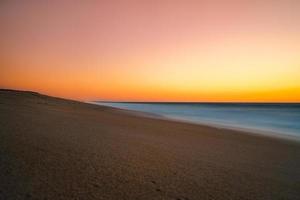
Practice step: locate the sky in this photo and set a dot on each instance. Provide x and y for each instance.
(153, 50)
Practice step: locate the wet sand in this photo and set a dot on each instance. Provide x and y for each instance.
(52, 148)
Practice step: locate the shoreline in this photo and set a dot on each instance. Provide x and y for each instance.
(242, 130)
(53, 148)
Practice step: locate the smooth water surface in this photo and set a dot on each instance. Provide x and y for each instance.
(278, 118)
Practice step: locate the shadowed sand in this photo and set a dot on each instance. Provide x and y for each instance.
(52, 148)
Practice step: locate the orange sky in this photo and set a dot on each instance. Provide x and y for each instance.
(155, 50)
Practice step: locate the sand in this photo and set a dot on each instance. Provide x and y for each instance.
(52, 148)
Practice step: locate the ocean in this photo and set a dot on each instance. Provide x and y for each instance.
(279, 119)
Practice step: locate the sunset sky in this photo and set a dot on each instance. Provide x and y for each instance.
(154, 50)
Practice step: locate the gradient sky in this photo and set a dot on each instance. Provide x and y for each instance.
(155, 50)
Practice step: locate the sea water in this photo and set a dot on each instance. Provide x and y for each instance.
(281, 119)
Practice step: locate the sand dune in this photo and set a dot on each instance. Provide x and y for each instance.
(52, 148)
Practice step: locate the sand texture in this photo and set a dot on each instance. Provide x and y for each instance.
(52, 148)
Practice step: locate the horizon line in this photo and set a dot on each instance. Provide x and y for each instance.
(153, 102)
(203, 102)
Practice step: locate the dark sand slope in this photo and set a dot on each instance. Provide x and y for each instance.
(52, 148)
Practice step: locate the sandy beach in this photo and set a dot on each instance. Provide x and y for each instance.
(51, 148)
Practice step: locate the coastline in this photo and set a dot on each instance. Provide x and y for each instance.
(52, 148)
(243, 130)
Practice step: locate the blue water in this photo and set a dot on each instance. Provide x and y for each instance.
(279, 118)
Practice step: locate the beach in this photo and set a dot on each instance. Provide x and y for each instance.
(53, 148)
